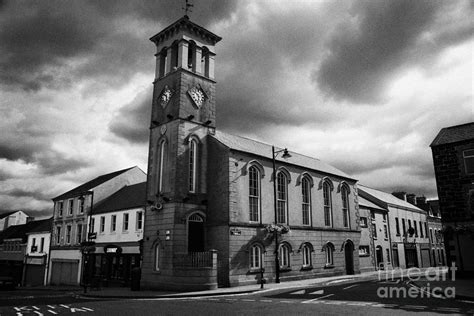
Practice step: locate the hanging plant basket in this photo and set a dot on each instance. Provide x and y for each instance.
(279, 228)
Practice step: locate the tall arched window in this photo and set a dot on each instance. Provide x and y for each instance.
(174, 56)
(157, 257)
(284, 256)
(254, 194)
(255, 257)
(193, 146)
(345, 206)
(327, 204)
(282, 197)
(306, 200)
(161, 169)
(163, 56)
(205, 61)
(192, 55)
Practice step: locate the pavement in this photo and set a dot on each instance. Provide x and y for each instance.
(464, 288)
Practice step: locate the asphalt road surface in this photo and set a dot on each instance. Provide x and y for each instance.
(362, 298)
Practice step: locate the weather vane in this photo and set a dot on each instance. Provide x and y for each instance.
(187, 7)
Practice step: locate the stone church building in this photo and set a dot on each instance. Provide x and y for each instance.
(221, 211)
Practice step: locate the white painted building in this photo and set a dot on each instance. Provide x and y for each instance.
(13, 218)
(36, 255)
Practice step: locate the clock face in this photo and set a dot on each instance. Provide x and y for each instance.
(197, 95)
(165, 96)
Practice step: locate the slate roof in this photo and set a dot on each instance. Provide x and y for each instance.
(386, 198)
(20, 231)
(366, 203)
(130, 196)
(3, 215)
(90, 185)
(454, 134)
(43, 226)
(265, 150)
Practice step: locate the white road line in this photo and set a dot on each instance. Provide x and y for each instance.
(50, 306)
(52, 312)
(350, 286)
(35, 308)
(88, 309)
(286, 301)
(318, 298)
(358, 303)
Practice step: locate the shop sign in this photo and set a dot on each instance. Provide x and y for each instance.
(112, 249)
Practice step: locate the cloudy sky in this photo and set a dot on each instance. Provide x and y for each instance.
(362, 85)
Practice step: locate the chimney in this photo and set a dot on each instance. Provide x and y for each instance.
(401, 195)
(420, 200)
(411, 198)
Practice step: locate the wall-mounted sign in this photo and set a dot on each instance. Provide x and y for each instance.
(112, 249)
(92, 236)
(235, 232)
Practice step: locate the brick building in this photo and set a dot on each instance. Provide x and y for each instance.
(70, 222)
(216, 206)
(453, 159)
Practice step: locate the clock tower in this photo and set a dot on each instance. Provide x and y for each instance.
(183, 114)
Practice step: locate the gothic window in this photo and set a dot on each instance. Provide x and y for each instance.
(255, 257)
(329, 250)
(157, 257)
(254, 194)
(193, 148)
(345, 206)
(284, 256)
(205, 61)
(174, 56)
(327, 204)
(191, 55)
(282, 197)
(306, 252)
(306, 200)
(163, 55)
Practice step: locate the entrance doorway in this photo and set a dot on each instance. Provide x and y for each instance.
(349, 254)
(379, 257)
(195, 233)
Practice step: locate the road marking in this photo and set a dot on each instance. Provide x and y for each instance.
(333, 302)
(298, 292)
(286, 301)
(350, 286)
(319, 292)
(247, 300)
(35, 308)
(358, 303)
(50, 306)
(315, 299)
(338, 281)
(88, 309)
(266, 301)
(52, 312)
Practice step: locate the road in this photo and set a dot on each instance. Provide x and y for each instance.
(359, 298)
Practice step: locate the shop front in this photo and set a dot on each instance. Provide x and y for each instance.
(113, 264)
(411, 256)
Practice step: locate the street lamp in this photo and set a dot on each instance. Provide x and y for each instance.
(285, 155)
(88, 246)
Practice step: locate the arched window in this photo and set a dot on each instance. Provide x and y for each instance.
(161, 169)
(282, 197)
(205, 61)
(327, 204)
(256, 257)
(345, 206)
(254, 194)
(174, 56)
(191, 55)
(195, 233)
(157, 257)
(306, 252)
(284, 256)
(306, 200)
(193, 147)
(162, 62)
(329, 249)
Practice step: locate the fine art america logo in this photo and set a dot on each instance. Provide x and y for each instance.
(394, 283)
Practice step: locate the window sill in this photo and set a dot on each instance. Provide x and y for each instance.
(307, 268)
(328, 266)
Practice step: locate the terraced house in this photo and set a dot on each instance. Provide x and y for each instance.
(225, 210)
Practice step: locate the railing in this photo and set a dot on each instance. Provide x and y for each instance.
(203, 259)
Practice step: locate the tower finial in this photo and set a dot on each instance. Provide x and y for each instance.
(187, 7)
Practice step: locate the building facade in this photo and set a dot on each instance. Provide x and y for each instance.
(36, 260)
(71, 220)
(118, 223)
(453, 159)
(407, 226)
(13, 218)
(220, 213)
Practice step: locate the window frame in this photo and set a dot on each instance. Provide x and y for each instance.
(192, 164)
(125, 223)
(345, 206)
(58, 235)
(255, 258)
(79, 231)
(157, 257)
(469, 157)
(327, 204)
(397, 226)
(161, 166)
(365, 252)
(284, 251)
(329, 255)
(363, 222)
(113, 223)
(254, 200)
(306, 251)
(68, 234)
(70, 207)
(282, 197)
(60, 208)
(306, 201)
(102, 224)
(139, 224)
(81, 206)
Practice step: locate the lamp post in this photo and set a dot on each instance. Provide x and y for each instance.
(285, 155)
(88, 245)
